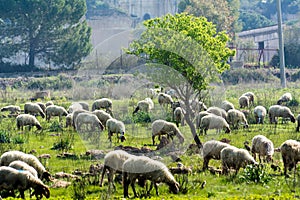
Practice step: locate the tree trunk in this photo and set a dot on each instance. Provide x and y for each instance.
(31, 55)
(193, 130)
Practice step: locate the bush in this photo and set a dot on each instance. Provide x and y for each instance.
(4, 137)
(255, 174)
(142, 117)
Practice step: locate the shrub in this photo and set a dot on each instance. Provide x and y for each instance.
(142, 117)
(4, 137)
(256, 174)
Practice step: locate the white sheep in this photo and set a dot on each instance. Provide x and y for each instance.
(33, 109)
(233, 157)
(78, 106)
(179, 116)
(226, 105)
(263, 146)
(145, 105)
(213, 121)
(10, 156)
(75, 114)
(285, 98)
(54, 110)
(69, 120)
(102, 116)
(115, 126)
(235, 117)
(276, 111)
(20, 165)
(86, 118)
(42, 105)
(145, 168)
(211, 150)
(113, 162)
(164, 99)
(12, 179)
(197, 105)
(244, 101)
(162, 127)
(199, 117)
(104, 103)
(49, 103)
(12, 109)
(251, 96)
(217, 111)
(260, 113)
(290, 152)
(27, 120)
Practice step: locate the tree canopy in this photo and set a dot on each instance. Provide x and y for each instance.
(53, 31)
(184, 52)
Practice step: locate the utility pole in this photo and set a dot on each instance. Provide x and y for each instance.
(281, 46)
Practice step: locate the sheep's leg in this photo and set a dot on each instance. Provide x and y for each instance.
(259, 158)
(22, 194)
(125, 185)
(153, 139)
(205, 163)
(156, 188)
(132, 183)
(102, 175)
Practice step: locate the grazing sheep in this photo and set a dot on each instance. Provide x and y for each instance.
(284, 98)
(226, 105)
(179, 116)
(78, 106)
(20, 165)
(145, 168)
(298, 123)
(55, 110)
(213, 121)
(250, 95)
(75, 114)
(280, 111)
(88, 118)
(164, 99)
(12, 109)
(12, 179)
(145, 105)
(69, 120)
(102, 116)
(198, 106)
(211, 150)
(244, 101)
(259, 113)
(113, 162)
(217, 111)
(234, 117)
(115, 126)
(27, 120)
(263, 146)
(199, 117)
(42, 105)
(10, 156)
(162, 127)
(290, 152)
(49, 103)
(33, 109)
(104, 103)
(236, 158)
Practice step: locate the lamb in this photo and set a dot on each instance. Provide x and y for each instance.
(145, 105)
(164, 99)
(103, 103)
(290, 152)
(298, 123)
(250, 95)
(259, 113)
(113, 162)
(33, 109)
(162, 127)
(244, 101)
(217, 111)
(145, 168)
(284, 98)
(11, 179)
(27, 120)
(199, 117)
(234, 117)
(88, 118)
(102, 116)
(212, 121)
(263, 146)
(211, 150)
(12, 109)
(179, 116)
(20, 165)
(236, 158)
(280, 111)
(55, 110)
(10, 156)
(115, 126)
(226, 105)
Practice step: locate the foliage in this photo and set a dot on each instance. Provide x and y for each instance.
(256, 174)
(65, 143)
(253, 20)
(4, 137)
(60, 82)
(13, 68)
(55, 127)
(79, 189)
(51, 31)
(141, 117)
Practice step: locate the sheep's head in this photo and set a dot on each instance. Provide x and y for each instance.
(47, 176)
(122, 137)
(41, 190)
(174, 187)
(293, 119)
(227, 130)
(39, 127)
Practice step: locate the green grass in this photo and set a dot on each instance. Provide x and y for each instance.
(217, 186)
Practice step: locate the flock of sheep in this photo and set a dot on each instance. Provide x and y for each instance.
(20, 171)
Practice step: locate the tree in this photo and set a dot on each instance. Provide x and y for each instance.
(253, 20)
(52, 31)
(184, 53)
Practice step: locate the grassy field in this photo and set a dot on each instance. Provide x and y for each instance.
(270, 185)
